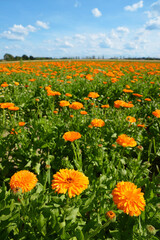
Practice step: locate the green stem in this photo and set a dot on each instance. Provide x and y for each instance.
(98, 229)
(76, 159)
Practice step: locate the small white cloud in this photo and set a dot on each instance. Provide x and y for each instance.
(123, 29)
(107, 43)
(11, 36)
(153, 24)
(96, 12)
(22, 30)
(134, 7)
(42, 24)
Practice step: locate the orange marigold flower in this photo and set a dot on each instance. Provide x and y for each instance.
(130, 119)
(53, 93)
(127, 90)
(121, 103)
(4, 84)
(147, 99)
(23, 180)
(86, 98)
(16, 83)
(127, 86)
(126, 141)
(129, 198)
(137, 95)
(93, 95)
(83, 112)
(7, 105)
(55, 111)
(76, 105)
(13, 108)
(71, 136)
(68, 95)
(141, 125)
(97, 122)
(70, 180)
(21, 124)
(111, 215)
(64, 103)
(105, 106)
(156, 113)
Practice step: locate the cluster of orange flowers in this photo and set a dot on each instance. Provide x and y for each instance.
(121, 103)
(76, 105)
(126, 195)
(10, 106)
(156, 113)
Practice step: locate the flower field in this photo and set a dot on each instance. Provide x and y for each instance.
(80, 150)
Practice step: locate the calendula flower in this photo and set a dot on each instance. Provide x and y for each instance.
(4, 84)
(97, 122)
(76, 105)
(156, 113)
(64, 103)
(71, 136)
(137, 95)
(16, 83)
(83, 112)
(105, 106)
(130, 119)
(111, 215)
(147, 99)
(21, 124)
(68, 95)
(53, 93)
(70, 180)
(23, 180)
(7, 105)
(93, 95)
(13, 108)
(129, 198)
(126, 141)
(127, 91)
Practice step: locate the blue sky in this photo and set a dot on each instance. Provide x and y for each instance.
(69, 28)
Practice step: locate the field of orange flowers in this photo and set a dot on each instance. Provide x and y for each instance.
(80, 150)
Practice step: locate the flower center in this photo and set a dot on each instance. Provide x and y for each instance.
(69, 180)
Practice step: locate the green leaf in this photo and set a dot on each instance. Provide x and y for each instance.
(79, 233)
(73, 214)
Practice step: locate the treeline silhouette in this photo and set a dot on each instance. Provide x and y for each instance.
(10, 57)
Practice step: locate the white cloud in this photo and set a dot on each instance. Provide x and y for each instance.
(107, 43)
(11, 36)
(96, 12)
(42, 24)
(123, 29)
(134, 7)
(22, 30)
(153, 24)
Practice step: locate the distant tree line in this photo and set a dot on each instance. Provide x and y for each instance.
(10, 57)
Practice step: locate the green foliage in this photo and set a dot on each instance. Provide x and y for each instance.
(39, 147)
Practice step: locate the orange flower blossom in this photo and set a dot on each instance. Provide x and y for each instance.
(128, 198)
(126, 141)
(23, 180)
(69, 180)
(71, 136)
